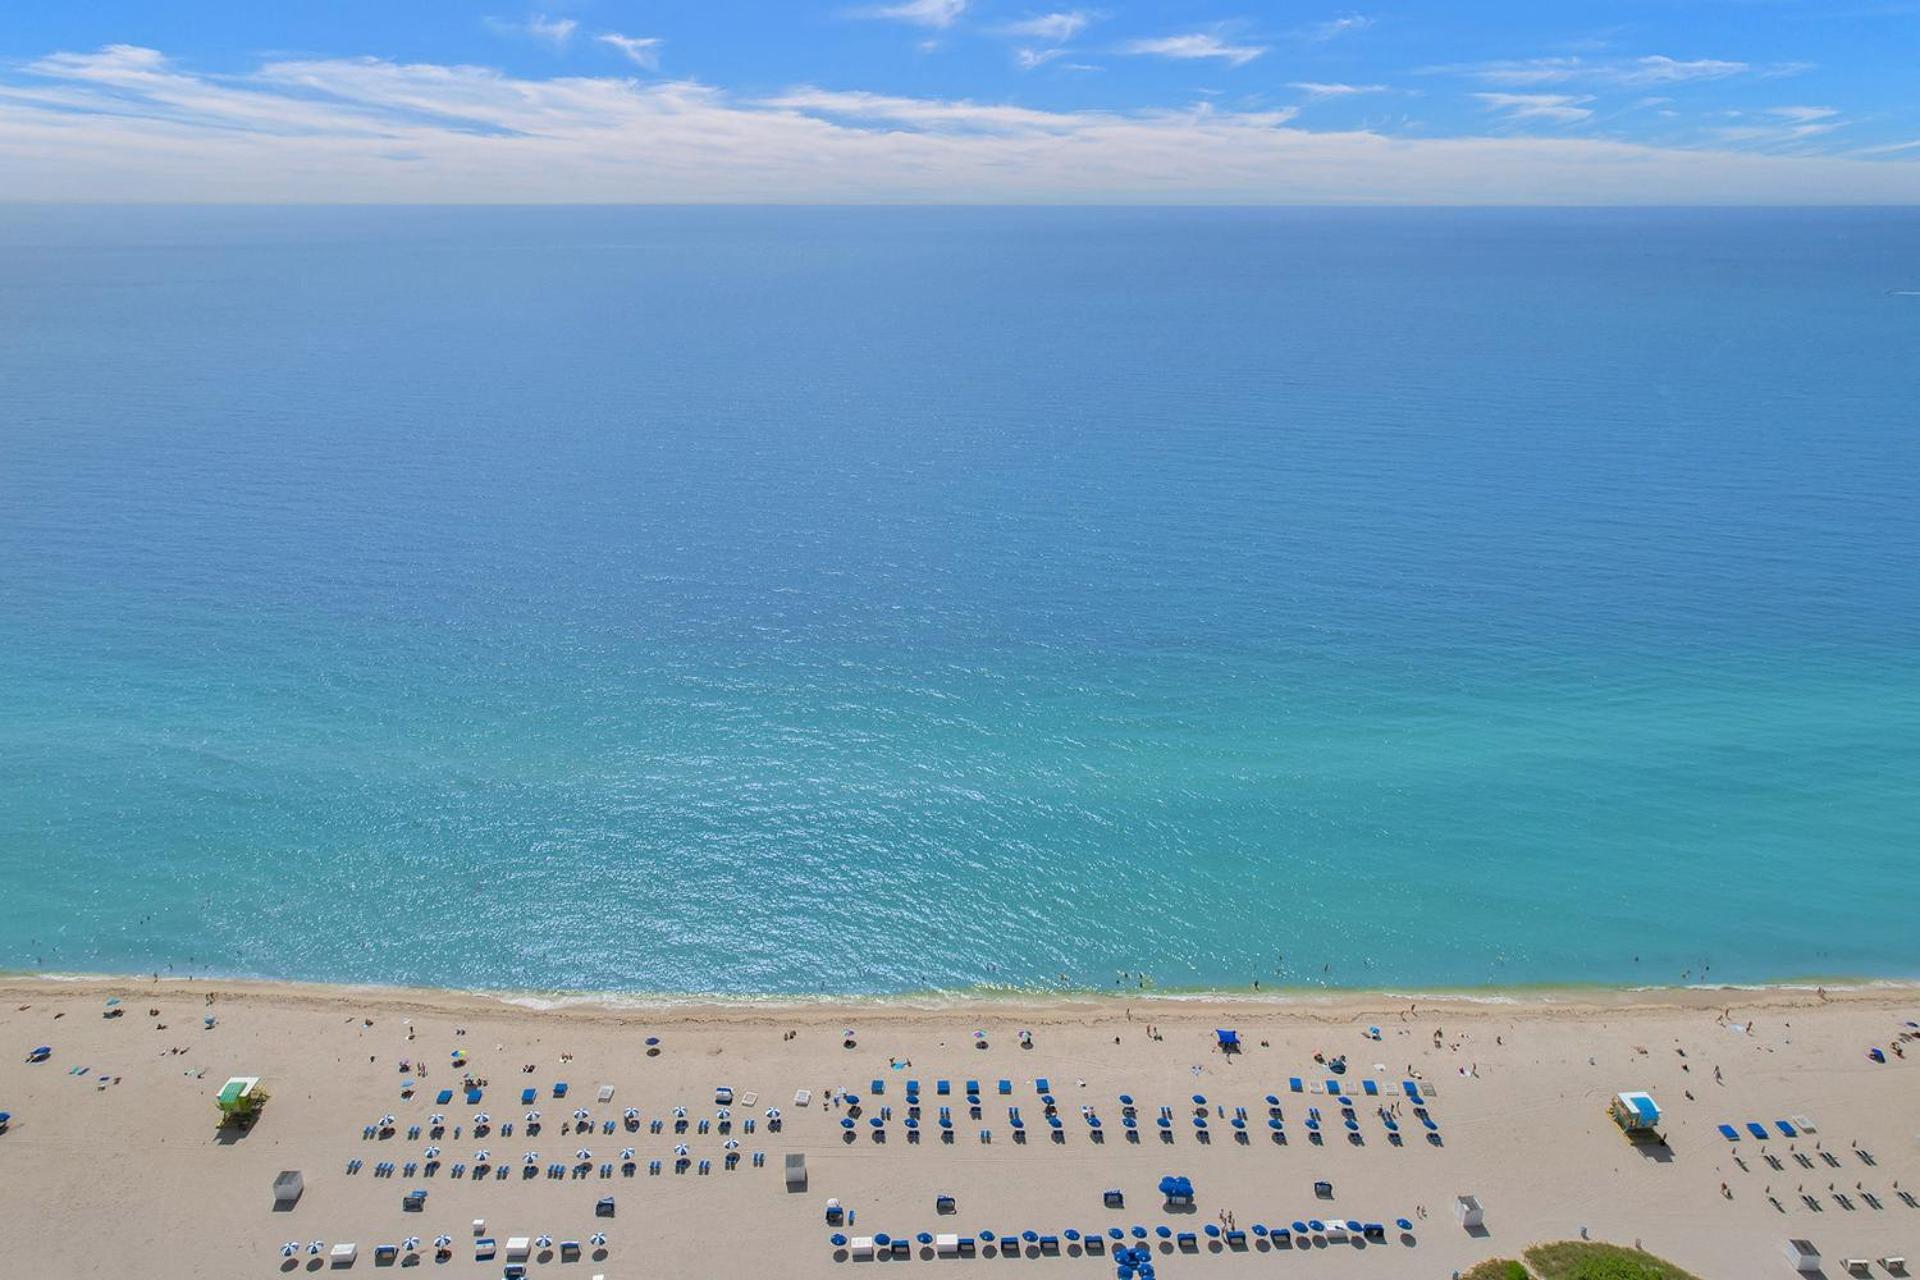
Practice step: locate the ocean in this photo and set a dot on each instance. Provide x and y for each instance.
(839, 601)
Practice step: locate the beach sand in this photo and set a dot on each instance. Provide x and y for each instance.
(133, 1176)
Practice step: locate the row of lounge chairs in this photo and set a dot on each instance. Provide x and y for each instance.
(1096, 1241)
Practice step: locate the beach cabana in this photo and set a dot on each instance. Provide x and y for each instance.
(796, 1171)
(287, 1187)
(1636, 1113)
(1467, 1211)
(1228, 1041)
(342, 1255)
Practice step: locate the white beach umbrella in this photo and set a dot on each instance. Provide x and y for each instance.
(290, 1248)
(441, 1242)
(581, 1114)
(723, 1114)
(532, 1157)
(543, 1242)
(481, 1157)
(632, 1113)
(679, 1113)
(388, 1121)
(316, 1246)
(410, 1244)
(680, 1150)
(436, 1119)
(583, 1154)
(597, 1239)
(432, 1153)
(732, 1144)
(626, 1153)
(773, 1113)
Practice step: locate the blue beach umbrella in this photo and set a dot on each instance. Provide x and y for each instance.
(1139, 1233)
(987, 1236)
(1403, 1224)
(837, 1240)
(1352, 1225)
(925, 1237)
(876, 1122)
(1212, 1230)
(1299, 1228)
(883, 1238)
(1116, 1233)
(1164, 1232)
(1126, 1099)
(1259, 1228)
(1030, 1235)
(1071, 1234)
(1316, 1225)
(1272, 1100)
(1199, 1099)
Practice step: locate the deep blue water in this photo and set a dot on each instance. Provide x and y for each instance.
(866, 601)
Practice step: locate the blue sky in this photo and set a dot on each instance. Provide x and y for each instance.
(1659, 101)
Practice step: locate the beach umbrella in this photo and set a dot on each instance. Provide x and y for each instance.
(679, 1113)
(883, 1239)
(532, 1157)
(925, 1237)
(626, 1153)
(1275, 1125)
(837, 1240)
(680, 1149)
(581, 1114)
(1272, 1100)
(1139, 1233)
(1164, 1232)
(1116, 1233)
(1199, 1099)
(1352, 1225)
(316, 1246)
(632, 1113)
(1403, 1224)
(723, 1114)
(597, 1239)
(1315, 1224)
(406, 1084)
(1213, 1231)
(583, 1154)
(410, 1244)
(442, 1242)
(773, 1113)
(731, 1144)
(1030, 1235)
(1299, 1228)
(1238, 1123)
(387, 1120)
(876, 1122)
(533, 1117)
(290, 1248)
(481, 1157)
(1071, 1234)
(1259, 1228)
(432, 1153)
(846, 1122)
(987, 1236)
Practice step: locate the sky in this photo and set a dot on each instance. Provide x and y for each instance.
(963, 101)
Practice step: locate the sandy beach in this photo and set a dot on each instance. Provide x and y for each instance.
(114, 1161)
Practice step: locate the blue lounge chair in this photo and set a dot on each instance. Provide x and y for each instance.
(879, 1086)
(943, 1087)
(560, 1089)
(1730, 1133)
(1411, 1089)
(1333, 1086)
(1004, 1086)
(444, 1097)
(527, 1096)
(1786, 1130)
(473, 1097)
(1043, 1085)
(1757, 1129)
(1372, 1089)
(1294, 1084)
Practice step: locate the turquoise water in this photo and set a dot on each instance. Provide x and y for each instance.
(869, 601)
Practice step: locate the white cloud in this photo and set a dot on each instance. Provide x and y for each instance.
(1196, 46)
(1320, 89)
(1028, 59)
(1558, 108)
(127, 124)
(1334, 28)
(557, 32)
(1653, 69)
(1056, 27)
(642, 51)
(1803, 115)
(920, 13)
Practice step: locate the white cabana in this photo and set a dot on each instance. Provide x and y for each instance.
(946, 1245)
(1467, 1211)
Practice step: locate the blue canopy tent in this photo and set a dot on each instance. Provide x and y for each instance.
(1229, 1041)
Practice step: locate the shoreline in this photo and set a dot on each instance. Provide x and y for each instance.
(1561, 999)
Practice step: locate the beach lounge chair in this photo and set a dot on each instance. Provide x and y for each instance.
(943, 1087)
(1730, 1133)
(1411, 1089)
(527, 1096)
(560, 1088)
(1757, 1129)
(1043, 1085)
(1293, 1083)
(1333, 1087)
(1371, 1088)
(876, 1085)
(1786, 1130)
(1005, 1086)
(444, 1097)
